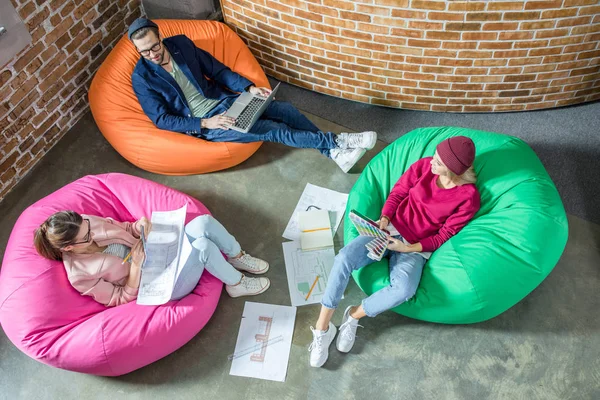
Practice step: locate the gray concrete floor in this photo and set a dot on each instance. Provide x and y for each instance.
(546, 347)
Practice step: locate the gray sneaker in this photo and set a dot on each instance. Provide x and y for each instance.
(362, 140)
(319, 348)
(346, 159)
(345, 339)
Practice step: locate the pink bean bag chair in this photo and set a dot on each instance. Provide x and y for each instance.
(51, 322)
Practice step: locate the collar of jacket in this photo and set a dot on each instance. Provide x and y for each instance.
(180, 60)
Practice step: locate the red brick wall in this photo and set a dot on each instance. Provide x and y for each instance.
(44, 88)
(458, 56)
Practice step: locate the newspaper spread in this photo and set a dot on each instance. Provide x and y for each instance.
(167, 250)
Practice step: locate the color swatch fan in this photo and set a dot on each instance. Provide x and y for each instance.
(368, 227)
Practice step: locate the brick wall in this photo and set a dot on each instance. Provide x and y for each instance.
(456, 56)
(44, 88)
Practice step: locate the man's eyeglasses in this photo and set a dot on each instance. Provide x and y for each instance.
(87, 237)
(153, 49)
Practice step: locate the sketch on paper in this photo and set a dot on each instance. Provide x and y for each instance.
(302, 267)
(262, 338)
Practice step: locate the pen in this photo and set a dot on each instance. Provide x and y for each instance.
(128, 256)
(143, 238)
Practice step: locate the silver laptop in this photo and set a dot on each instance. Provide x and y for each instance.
(248, 108)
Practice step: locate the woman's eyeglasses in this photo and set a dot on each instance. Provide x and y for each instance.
(153, 49)
(87, 237)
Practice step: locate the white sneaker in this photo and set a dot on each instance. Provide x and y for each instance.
(346, 159)
(249, 264)
(248, 287)
(319, 348)
(362, 140)
(345, 339)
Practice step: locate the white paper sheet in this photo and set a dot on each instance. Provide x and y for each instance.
(264, 340)
(302, 267)
(324, 199)
(166, 254)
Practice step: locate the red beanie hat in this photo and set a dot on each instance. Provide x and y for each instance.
(457, 153)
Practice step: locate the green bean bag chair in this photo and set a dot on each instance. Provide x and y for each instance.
(500, 256)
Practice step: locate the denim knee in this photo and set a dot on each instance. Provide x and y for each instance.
(395, 295)
(345, 262)
(204, 247)
(282, 104)
(199, 226)
(404, 293)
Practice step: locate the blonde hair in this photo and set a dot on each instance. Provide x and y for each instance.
(468, 176)
(57, 232)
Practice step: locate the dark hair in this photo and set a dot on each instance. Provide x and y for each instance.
(140, 33)
(57, 232)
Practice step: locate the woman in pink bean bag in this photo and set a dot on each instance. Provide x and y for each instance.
(78, 330)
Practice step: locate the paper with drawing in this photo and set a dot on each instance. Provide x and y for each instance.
(264, 340)
(319, 198)
(302, 268)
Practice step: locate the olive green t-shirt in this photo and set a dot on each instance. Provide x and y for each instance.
(199, 105)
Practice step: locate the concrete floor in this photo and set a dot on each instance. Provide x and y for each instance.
(546, 347)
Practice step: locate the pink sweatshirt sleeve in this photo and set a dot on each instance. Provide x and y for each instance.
(401, 188)
(130, 227)
(453, 224)
(105, 292)
(87, 277)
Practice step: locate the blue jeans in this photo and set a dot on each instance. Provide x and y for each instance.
(280, 123)
(405, 274)
(208, 238)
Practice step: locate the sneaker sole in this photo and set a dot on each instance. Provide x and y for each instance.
(253, 272)
(252, 294)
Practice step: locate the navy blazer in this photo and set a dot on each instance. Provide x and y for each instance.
(161, 97)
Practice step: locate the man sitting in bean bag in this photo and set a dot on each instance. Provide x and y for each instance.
(170, 81)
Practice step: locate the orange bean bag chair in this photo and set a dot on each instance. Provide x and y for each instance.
(123, 123)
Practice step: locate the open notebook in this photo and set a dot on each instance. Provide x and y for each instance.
(315, 229)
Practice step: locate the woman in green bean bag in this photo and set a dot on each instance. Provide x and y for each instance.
(506, 250)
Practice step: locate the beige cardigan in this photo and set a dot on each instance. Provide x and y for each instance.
(100, 275)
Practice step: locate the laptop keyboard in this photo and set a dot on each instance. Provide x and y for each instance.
(245, 118)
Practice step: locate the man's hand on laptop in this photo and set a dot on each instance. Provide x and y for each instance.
(218, 122)
(264, 92)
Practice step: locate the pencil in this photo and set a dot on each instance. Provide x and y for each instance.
(127, 257)
(312, 287)
(316, 229)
